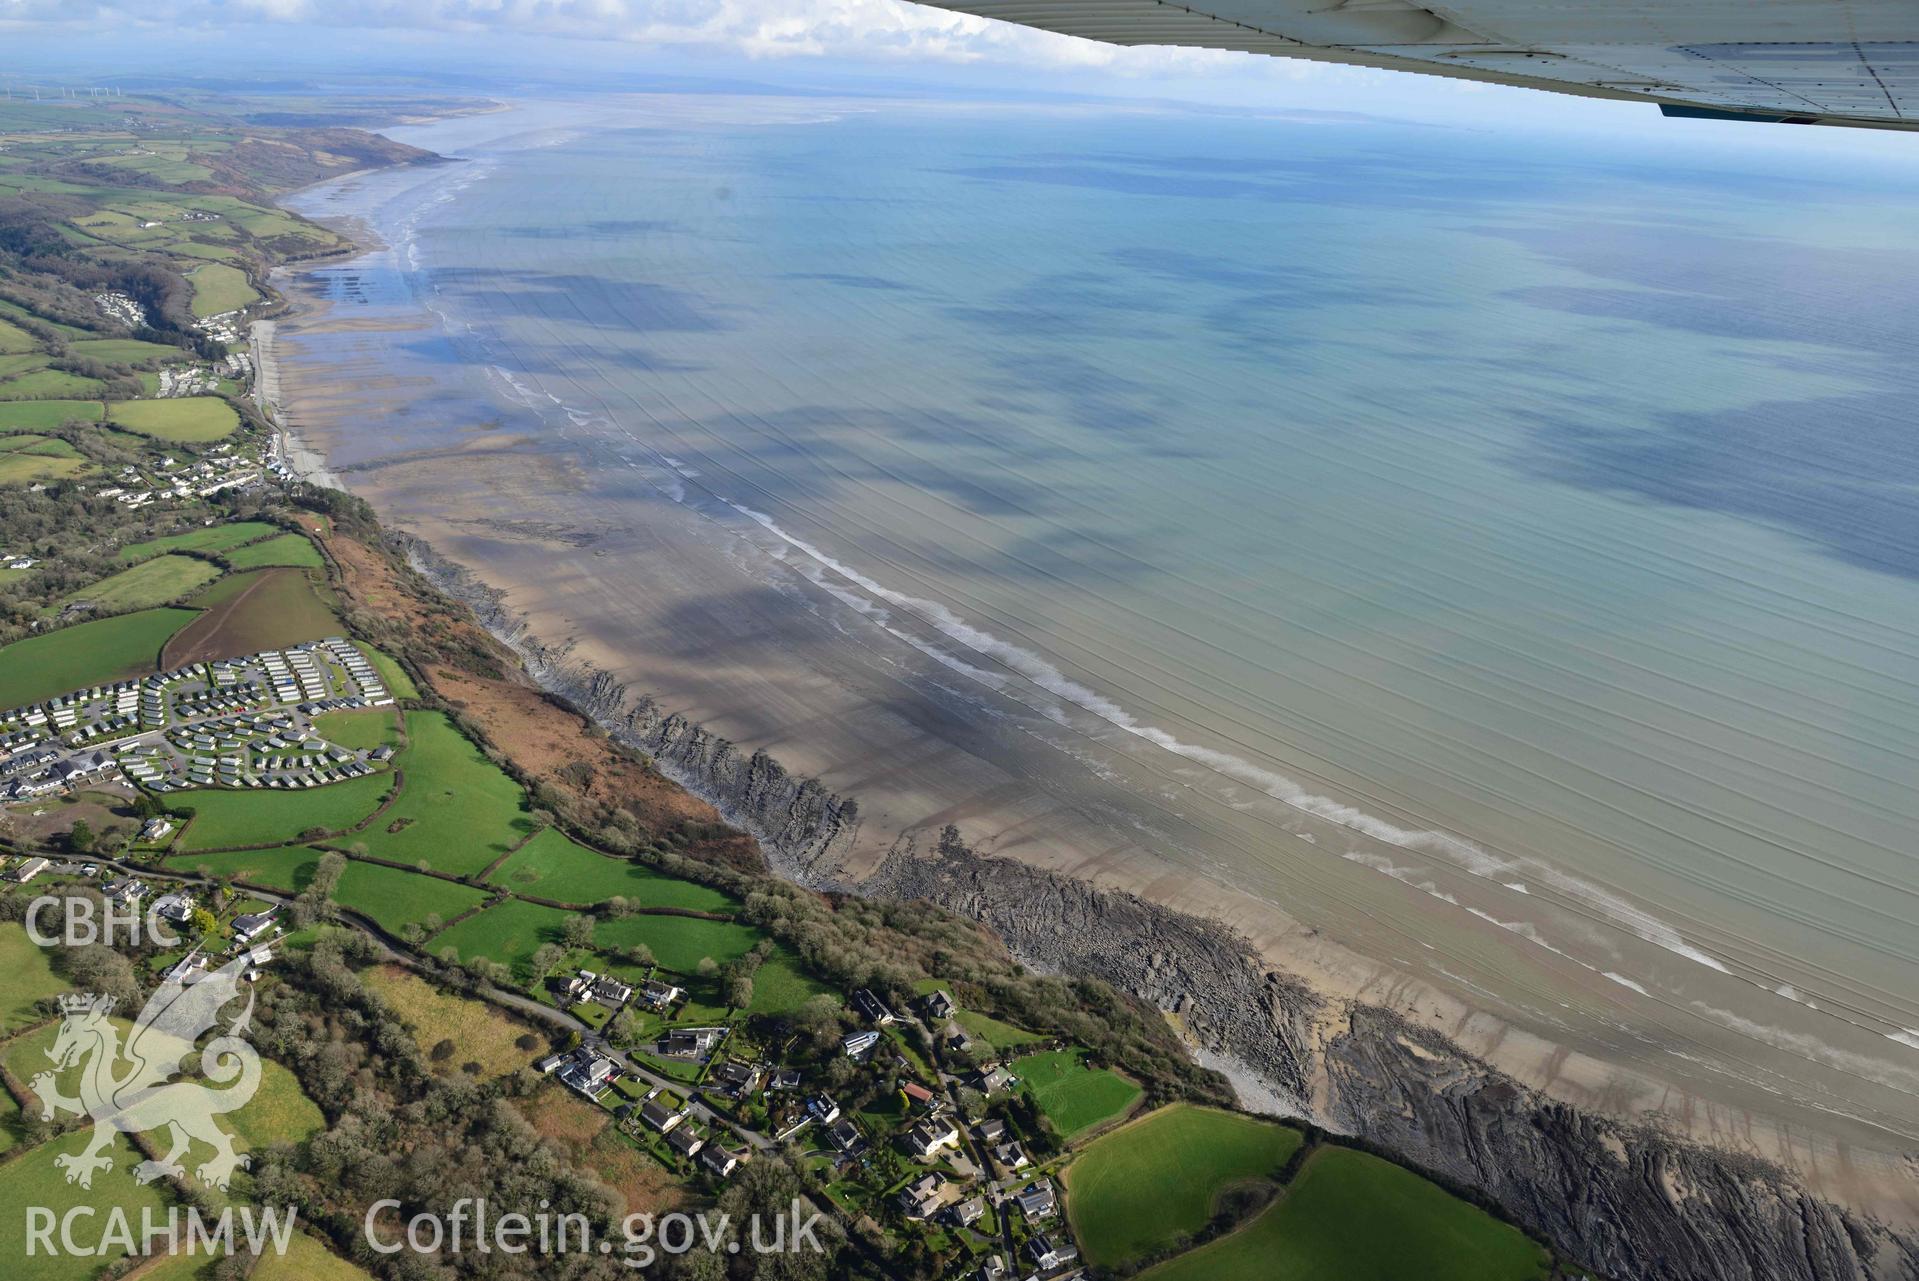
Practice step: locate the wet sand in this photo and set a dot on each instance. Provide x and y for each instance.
(718, 622)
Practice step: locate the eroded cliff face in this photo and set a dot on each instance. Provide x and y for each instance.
(1627, 1202)
(801, 826)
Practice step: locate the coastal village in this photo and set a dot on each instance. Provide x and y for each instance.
(233, 711)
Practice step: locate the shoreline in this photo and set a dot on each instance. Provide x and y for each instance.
(804, 829)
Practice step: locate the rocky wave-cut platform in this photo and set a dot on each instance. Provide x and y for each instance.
(1627, 1201)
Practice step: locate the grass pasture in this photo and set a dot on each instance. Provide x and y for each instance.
(305, 1260)
(292, 550)
(44, 415)
(1348, 1216)
(246, 613)
(1002, 1036)
(89, 654)
(1073, 1096)
(218, 288)
(50, 384)
(550, 866)
(40, 461)
(127, 351)
(26, 977)
(508, 933)
(398, 683)
(458, 811)
(211, 538)
(185, 419)
(480, 1033)
(1154, 1182)
(31, 1178)
(391, 898)
(679, 942)
(360, 730)
(781, 985)
(257, 816)
(150, 583)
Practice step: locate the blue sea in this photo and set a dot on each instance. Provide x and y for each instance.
(1495, 558)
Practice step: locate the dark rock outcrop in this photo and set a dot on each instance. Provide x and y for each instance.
(1628, 1202)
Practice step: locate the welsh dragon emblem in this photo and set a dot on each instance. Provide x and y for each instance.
(131, 1088)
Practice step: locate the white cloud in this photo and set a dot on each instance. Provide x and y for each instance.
(878, 29)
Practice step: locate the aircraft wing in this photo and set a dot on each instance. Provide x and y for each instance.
(1829, 62)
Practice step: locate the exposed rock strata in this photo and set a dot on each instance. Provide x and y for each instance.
(1628, 1202)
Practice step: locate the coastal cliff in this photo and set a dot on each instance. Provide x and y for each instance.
(1625, 1201)
(1628, 1202)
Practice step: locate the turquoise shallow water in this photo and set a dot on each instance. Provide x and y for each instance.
(1531, 533)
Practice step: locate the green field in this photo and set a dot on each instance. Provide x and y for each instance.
(42, 415)
(398, 683)
(679, 942)
(31, 1178)
(305, 1260)
(288, 549)
(153, 582)
(90, 654)
(508, 933)
(212, 538)
(26, 977)
(781, 985)
(361, 730)
(50, 384)
(31, 466)
(1074, 1097)
(1152, 1183)
(391, 898)
(188, 419)
(218, 288)
(458, 811)
(1000, 1035)
(256, 610)
(127, 351)
(260, 817)
(552, 867)
(1348, 1216)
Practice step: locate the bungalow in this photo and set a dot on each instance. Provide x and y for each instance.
(659, 1116)
(1011, 1156)
(966, 1213)
(686, 1141)
(871, 1007)
(30, 869)
(176, 909)
(928, 1138)
(922, 1197)
(1051, 1255)
(994, 1269)
(156, 829)
(548, 1065)
(783, 1079)
(823, 1108)
(1036, 1201)
(251, 925)
(655, 995)
(993, 1079)
(718, 1161)
(938, 1005)
(859, 1045)
(991, 1130)
(919, 1096)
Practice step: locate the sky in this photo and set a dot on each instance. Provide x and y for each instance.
(872, 46)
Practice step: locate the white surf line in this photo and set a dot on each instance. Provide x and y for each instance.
(1472, 858)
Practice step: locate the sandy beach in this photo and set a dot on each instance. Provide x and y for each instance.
(597, 548)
